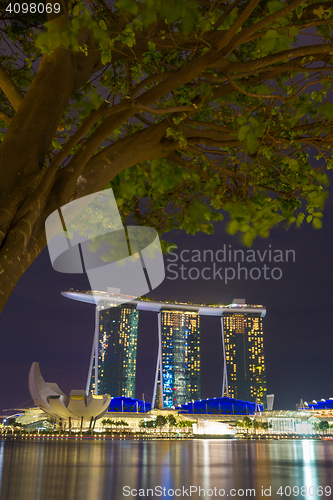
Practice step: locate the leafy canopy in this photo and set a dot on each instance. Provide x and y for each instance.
(232, 100)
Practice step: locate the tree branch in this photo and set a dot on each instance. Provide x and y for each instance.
(246, 32)
(256, 64)
(237, 24)
(148, 80)
(10, 89)
(163, 111)
(227, 172)
(46, 181)
(5, 117)
(146, 144)
(226, 13)
(239, 89)
(227, 143)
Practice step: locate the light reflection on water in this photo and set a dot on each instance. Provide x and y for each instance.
(98, 470)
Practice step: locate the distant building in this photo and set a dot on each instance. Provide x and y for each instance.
(76, 406)
(244, 352)
(116, 347)
(323, 404)
(220, 406)
(128, 405)
(180, 332)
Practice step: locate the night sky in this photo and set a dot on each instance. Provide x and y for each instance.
(38, 324)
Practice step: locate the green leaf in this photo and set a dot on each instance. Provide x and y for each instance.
(128, 5)
(233, 227)
(252, 142)
(102, 24)
(241, 120)
(293, 165)
(293, 31)
(269, 41)
(274, 6)
(249, 237)
(319, 12)
(271, 34)
(317, 223)
(243, 131)
(106, 57)
(327, 110)
(253, 121)
(56, 144)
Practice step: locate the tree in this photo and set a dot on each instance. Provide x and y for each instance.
(315, 426)
(323, 426)
(109, 422)
(121, 423)
(160, 421)
(171, 420)
(149, 424)
(239, 424)
(256, 425)
(185, 109)
(185, 423)
(265, 426)
(247, 424)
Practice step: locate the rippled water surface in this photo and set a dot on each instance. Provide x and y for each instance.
(104, 470)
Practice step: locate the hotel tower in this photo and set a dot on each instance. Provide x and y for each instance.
(244, 353)
(115, 347)
(178, 364)
(180, 332)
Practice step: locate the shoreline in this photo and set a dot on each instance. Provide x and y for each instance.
(23, 437)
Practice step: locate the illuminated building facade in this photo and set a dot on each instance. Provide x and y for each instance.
(116, 345)
(244, 354)
(180, 336)
(177, 376)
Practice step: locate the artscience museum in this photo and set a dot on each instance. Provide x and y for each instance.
(77, 406)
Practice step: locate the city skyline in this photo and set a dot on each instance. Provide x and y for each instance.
(48, 323)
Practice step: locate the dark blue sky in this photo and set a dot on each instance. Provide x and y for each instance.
(38, 324)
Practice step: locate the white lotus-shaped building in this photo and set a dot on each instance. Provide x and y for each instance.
(78, 405)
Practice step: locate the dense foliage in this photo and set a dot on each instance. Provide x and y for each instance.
(187, 109)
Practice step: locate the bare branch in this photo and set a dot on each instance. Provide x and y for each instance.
(227, 143)
(262, 96)
(148, 80)
(163, 111)
(143, 120)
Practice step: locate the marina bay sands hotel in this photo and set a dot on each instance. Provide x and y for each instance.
(178, 372)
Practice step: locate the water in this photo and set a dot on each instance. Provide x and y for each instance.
(115, 470)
